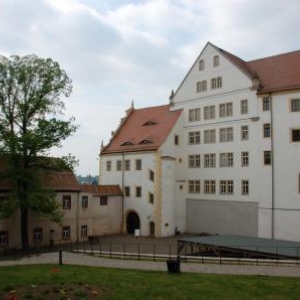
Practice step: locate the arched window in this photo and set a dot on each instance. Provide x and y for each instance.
(219, 82)
(201, 65)
(204, 85)
(198, 88)
(216, 61)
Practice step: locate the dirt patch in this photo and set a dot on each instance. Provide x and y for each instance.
(59, 292)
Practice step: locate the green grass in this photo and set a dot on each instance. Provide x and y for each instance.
(129, 284)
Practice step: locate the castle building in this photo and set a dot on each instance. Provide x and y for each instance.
(220, 158)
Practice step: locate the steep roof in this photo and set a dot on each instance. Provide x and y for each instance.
(99, 190)
(144, 129)
(276, 73)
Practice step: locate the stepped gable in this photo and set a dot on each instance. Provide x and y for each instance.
(144, 129)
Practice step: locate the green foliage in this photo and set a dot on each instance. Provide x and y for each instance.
(30, 105)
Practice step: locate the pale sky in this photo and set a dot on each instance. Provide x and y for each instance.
(116, 51)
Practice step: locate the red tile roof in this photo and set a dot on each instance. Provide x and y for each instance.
(144, 129)
(105, 190)
(60, 181)
(275, 73)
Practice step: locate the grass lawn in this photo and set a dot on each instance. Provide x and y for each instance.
(77, 282)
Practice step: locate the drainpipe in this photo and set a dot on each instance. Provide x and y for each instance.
(122, 207)
(273, 171)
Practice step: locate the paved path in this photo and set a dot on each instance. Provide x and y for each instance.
(88, 260)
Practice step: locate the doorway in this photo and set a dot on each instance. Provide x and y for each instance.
(152, 228)
(132, 222)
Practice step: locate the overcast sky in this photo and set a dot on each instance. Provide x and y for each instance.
(116, 51)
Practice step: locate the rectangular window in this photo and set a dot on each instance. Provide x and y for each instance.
(84, 231)
(119, 165)
(226, 187)
(210, 160)
(127, 165)
(194, 137)
(84, 201)
(108, 165)
(295, 105)
(176, 140)
(194, 161)
(209, 112)
(267, 130)
(244, 107)
(194, 114)
(295, 135)
(194, 186)
(209, 186)
(245, 187)
(138, 164)
(266, 104)
(3, 238)
(225, 109)
(226, 134)
(138, 191)
(151, 175)
(226, 159)
(267, 157)
(151, 198)
(209, 136)
(103, 200)
(127, 191)
(245, 159)
(244, 133)
(66, 201)
(37, 235)
(66, 232)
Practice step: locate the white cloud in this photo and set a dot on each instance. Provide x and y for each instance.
(119, 50)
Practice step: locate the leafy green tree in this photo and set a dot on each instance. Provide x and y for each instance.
(31, 123)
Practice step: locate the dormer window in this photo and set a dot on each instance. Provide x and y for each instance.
(149, 123)
(127, 144)
(145, 142)
(216, 61)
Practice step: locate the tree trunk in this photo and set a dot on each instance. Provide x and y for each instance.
(24, 229)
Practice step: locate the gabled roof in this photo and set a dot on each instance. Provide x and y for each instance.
(102, 190)
(276, 73)
(144, 129)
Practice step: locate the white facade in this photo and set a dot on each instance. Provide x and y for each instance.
(236, 169)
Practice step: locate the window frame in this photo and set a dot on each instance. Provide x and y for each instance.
(103, 201)
(209, 112)
(216, 61)
(295, 107)
(226, 187)
(4, 238)
(194, 161)
(37, 235)
(127, 191)
(138, 191)
(245, 159)
(119, 165)
(209, 160)
(267, 130)
(226, 134)
(66, 233)
(209, 186)
(295, 138)
(225, 109)
(108, 165)
(244, 107)
(244, 133)
(84, 201)
(83, 231)
(266, 103)
(226, 159)
(138, 164)
(267, 157)
(245, 187)
(194, 138)
(194, 186)
(66, 202)
(209, 136)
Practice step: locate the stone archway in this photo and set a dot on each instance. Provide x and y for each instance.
(132, 222)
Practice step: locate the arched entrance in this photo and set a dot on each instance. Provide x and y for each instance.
(132, 222)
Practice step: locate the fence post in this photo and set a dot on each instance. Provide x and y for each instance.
(60, 257)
